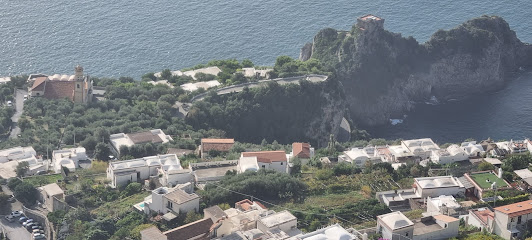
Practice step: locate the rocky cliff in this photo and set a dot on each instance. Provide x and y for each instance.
(385, 74)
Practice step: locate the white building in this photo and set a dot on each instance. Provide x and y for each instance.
(51, 196)
(359, 156)
(518, 146)
(446, 205)
(482, 218)
(473, 149)
(421, 148)
(252, 72)
(68, 158)
(335, 231)
(438, 186)
(120, 173)
(395, 226)
(190, 87)
(10, 158)
(243, 217)
(398, 154)
(248, 164)
(130, 139)
(511, 220)
(175, 201)
(16, 153)
(275, 160)
(451, 154)
(303, 151)
(4, 80)
(281, 223)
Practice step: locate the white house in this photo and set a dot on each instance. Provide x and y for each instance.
(397, 154)
(518, 146)
(121, 173)
(482, 218)
(278, 222)
(438, 186)
(248, 164)
(275, 160)
(130, 139)
(511, 220)
(51, 195)
(421, 148)
(16, 153)
(446, 205)
(359, 156)
(68, 158)
(473, 149)
(330, 232)
(171, 200)
(395, 226)
(451, 154)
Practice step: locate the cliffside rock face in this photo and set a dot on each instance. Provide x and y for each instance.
(384, 74)
(306, 52)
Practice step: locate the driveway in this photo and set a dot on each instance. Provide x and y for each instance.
(19, 107)
(15, 230)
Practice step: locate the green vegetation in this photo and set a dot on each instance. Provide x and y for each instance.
(269, 112)
(38, 181)
(265, 184)
(484, 180)
(22, 168)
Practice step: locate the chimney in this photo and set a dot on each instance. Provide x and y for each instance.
(500, 173)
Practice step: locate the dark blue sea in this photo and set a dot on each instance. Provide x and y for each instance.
(130, 38)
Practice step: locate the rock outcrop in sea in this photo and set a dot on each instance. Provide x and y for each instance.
(385, 74)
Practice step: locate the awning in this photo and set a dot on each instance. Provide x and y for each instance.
(514, 230)
(169, 216)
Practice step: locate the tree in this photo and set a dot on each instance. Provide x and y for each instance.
(89, 143)
(26, 192)
(166, 74)
(96, 234)
(238, 78)
(3, 199)
(13, 183)
(131, 189)
(102, 151)
(192, 216)
(247, 63)
(484, 166)
(22, 168)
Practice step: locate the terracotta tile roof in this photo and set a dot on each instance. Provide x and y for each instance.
(144, 137)
(217, 140)
(445, 218)
(59, 89)
(516, 209)
(267, 156)
(222, 145)
(192, 230)
(244, 204)
(301, 150)
(484, 215)
(39, 83)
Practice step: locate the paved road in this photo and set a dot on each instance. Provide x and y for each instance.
(237, 88)
(19, 106)
(15, 230)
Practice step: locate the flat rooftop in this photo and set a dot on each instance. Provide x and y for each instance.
(427, 226)
(277, 219)
(214, 171)
(485, 179)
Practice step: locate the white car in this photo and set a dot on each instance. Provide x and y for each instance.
(27, 222)
(25, 97)
(9, 218)
(9, 103)
(16, 214)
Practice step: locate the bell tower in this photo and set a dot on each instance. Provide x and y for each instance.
(79, 88)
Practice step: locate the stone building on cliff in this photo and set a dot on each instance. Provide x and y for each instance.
(76, 88)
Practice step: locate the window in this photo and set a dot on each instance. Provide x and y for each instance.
(263, 166)
(38, 94)
(519, 220)
(78, 85)
(514, 235)
(169, 205)
(406, 234)
(513, 219)
(281, 163)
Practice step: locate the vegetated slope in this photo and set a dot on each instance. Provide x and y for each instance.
(384, 74)
(285, 113)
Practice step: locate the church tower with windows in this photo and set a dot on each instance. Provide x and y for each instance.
(82, 87)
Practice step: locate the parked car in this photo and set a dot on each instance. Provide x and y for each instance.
(11, 199)
(27, 222)
(9, 103)
(38, 231)
(22, 219)
(36, 227)
(16, 213)
(38, 236)
(25, 97)
(9, 218)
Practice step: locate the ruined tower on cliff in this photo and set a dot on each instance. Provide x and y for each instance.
(370, 23)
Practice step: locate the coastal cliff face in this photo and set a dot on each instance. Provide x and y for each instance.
(385, 74)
